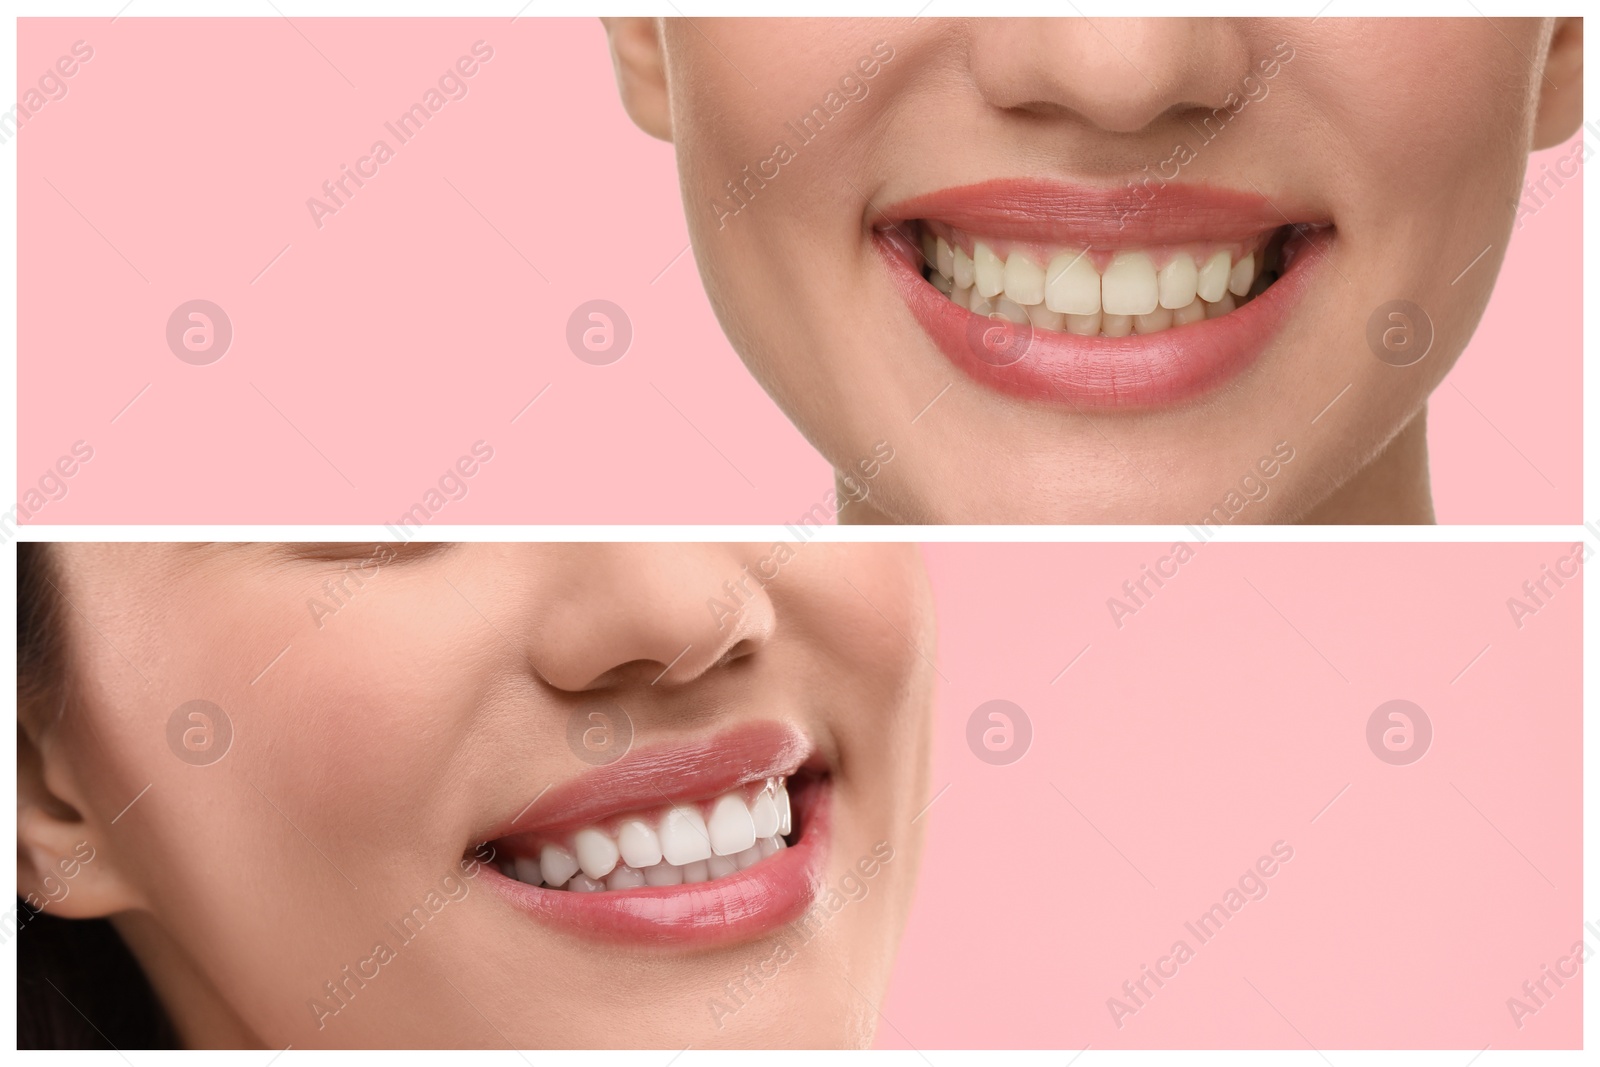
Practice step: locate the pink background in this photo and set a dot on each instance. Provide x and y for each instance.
(1222, 717)
(374, 352)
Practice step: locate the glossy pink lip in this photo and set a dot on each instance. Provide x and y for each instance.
(1138, 371)
(753, 902)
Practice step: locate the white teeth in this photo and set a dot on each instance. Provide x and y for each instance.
(731, 828)
(1176, 282)
(930, 248)
(1243, 275)
(1084, 325)
(1128, 287)
(1010, 310)
(764, 814)
(685, 843)
(526, 869)
(638, 844)
(988, 270)
(1072, 285)
(1195, 312)
(1116, 325)
(1211, 283)
(1158, 320)
(1068, 294)
(1024, 279)
(625, 877)
(1045, 319)
(964, 270)
(663, 874)
(683, 836)
(556, 865)
(597, 853)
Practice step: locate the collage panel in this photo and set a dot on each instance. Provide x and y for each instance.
(800, 796)
(631, 271)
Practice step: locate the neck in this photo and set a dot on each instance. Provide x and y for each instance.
(1393, 489)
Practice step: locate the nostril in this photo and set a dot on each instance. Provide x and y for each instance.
(741, 648)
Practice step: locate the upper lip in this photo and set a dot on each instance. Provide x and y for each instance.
(1043, 210)
(695, 769)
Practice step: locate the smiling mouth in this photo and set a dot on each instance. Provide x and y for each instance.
(1090, 292)
(669, 845)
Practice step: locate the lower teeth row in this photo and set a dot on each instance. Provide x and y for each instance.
(527, 870)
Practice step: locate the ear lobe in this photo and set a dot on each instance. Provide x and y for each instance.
(641, 72)
(62, 865)
(1561, 88)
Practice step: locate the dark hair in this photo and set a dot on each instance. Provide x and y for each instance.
(78, 986)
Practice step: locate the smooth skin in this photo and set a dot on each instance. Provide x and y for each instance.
(432, 703)
(1410, 135)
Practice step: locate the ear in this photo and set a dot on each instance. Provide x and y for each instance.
(641, 73)
(1561, 88)
(63, 866)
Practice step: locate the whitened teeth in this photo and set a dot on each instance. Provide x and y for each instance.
(1069, 295)
(680, 844)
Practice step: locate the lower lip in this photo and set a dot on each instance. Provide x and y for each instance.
(1152, 370)
(746, 905)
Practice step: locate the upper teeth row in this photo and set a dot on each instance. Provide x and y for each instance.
(1069, 284)
(683, 843)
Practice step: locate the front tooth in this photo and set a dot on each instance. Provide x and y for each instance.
(556, 865)
(749, 857)
(943, 259)
(695, 872)
(663, 874)
(1024, 279)
(1045, 319)
(1244, 273)
(1084, 325)
(1158, 320)
(1195, 312)
(764, 813)
(732, 829)
(527, 870)
(963, 265)
(1212, 281)
(1128, 287)
(638, 843)
(1072, 285)
(597, 853)
(1116, 325)
(1176, 282)
(721, 867)
(683, 836)
(782, 799)
(1010, 310)
(625, 877)
(584, 884)
(988, 270)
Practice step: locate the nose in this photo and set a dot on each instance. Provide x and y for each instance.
(652, 614)
(1119, 75)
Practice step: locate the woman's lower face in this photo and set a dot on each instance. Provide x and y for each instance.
(480, 795)
(1139, 270)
